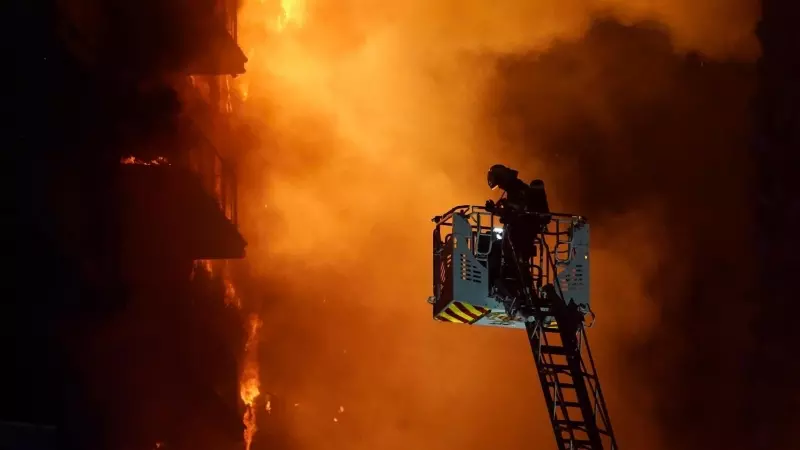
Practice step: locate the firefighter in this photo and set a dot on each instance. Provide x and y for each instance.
(520, 197)
(525, 212)
(515, 210)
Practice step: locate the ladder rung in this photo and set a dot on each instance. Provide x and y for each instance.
(570, 423)
(553, 349)
(578, 444)
(562, 385)
(569, 404)
(556, 367)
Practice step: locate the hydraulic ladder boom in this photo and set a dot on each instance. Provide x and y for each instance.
(575, 403)
(571, 388)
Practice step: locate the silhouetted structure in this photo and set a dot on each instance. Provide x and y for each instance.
(109, 340)
(772, 405)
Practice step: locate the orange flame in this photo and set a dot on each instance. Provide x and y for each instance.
(250, 386)
(160, 161)
(249, 383)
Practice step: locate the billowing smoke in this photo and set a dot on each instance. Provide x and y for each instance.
(371, 119)
(652, 146)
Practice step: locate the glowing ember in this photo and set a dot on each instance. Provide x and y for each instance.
(160, 161)
(250, 386)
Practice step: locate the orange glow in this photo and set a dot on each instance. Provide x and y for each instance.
(231, 298)
(228, 107)
(372, 120)
(205, 265)
(241, 88)
(293, 13)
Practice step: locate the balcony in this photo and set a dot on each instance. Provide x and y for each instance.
(177, 206)
(193, 37)
(220, 56)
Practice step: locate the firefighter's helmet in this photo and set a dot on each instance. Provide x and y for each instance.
(500, 176)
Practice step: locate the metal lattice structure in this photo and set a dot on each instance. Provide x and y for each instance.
(557, 303)
(571, 388)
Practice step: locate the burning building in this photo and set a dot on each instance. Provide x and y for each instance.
(129, 180)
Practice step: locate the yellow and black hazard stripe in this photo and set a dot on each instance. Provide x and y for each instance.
(458, 312)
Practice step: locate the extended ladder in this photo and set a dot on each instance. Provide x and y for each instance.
(571, 388)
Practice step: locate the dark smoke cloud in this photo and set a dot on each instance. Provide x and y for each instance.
(652, 145)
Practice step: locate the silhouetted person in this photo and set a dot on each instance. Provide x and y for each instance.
(525, 212)
(520, 196)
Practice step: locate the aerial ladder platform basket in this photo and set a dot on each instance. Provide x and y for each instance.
(463, 293)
